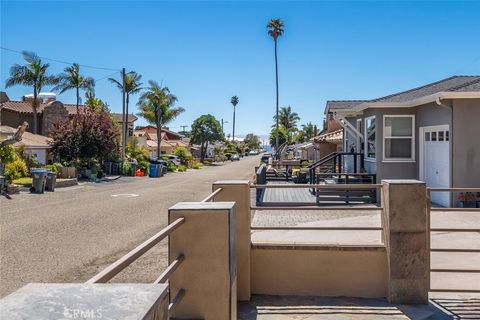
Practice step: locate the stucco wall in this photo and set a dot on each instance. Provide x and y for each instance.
(466, 143)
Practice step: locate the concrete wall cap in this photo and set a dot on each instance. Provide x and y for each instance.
(46, 301)
(203, 206)
(404, 181)
(232, 182)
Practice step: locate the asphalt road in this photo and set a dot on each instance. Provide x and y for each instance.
(71, 234)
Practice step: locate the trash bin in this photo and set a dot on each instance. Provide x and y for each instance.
(108, 167)
(51, 181)
(39, 178)
(153, 170)
(133, 168)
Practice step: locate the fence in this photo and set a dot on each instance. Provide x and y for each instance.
(431, 210)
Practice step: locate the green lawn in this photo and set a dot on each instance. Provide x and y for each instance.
(27, 181)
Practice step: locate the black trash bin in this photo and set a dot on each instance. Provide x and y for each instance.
(51, 181)
(39, 179)
(108, 167)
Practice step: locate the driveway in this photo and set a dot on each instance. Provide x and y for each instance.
(69, 235)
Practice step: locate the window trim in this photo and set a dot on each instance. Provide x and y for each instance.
(412, 137)
(365, 140)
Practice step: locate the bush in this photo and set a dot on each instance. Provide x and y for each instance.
(171, 167)
(182, 168)
(126, 168)
(184, 155)
(196, 165)
(16, 170)
(52, 168)
(8, 154)
(144, 166)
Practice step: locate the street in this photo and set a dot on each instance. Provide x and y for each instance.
(71, 234)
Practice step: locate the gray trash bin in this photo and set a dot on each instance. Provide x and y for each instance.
(51, 181)
(39, 179)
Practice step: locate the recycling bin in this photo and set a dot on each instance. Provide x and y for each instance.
(39, 179)
(108, 167)
(153, 170)
(51, 181)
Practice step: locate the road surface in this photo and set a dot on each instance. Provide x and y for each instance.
(71, 234)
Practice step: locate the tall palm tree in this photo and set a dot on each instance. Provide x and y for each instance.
(132, 86)
(234, 102)
(157, 107)
(275, 30)
(72, 79)
(33, 74)
(288, 120)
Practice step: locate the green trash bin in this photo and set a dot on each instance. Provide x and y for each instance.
(39, 179)
(51, 181)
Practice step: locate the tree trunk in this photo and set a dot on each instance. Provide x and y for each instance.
(78, 99)
(202, 152)
(159, 139)
(34, 109)
(276, 82)
(233, 135)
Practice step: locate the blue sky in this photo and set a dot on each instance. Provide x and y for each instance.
(205, 52)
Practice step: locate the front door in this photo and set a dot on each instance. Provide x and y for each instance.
(436, 162)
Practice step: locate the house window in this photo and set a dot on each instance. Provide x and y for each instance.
(370, 137)
(399, 137)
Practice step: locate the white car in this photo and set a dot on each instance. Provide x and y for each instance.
(175, 160)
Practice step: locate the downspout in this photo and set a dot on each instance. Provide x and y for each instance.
(450, 140)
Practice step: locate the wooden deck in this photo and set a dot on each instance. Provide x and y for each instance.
(290, 196)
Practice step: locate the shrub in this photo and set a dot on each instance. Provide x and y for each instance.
(126, 168)
(8, 154)
(52, 168)
(182, 168)
(196, 165)
(15, 170)
(184, 155)
(171, 167)
(144, 166)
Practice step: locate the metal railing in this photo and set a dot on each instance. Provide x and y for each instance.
(317, 208)
(452, 230)
(115, 268)
(211, 196)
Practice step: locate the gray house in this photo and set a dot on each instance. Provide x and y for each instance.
(430, 133)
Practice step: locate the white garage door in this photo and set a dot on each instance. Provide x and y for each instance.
(436, 162)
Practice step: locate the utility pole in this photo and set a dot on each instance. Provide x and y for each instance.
(124, 117)
(222, 126)
(183, 129)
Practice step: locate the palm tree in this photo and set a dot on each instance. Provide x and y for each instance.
(275, 30)
(72, 79)
(33, 74)
(234, 102)
(132, 86)
(157, 107)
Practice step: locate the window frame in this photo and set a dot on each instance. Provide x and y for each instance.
(412, 137)
(365, 140)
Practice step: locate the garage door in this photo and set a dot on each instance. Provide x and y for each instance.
(436, 162)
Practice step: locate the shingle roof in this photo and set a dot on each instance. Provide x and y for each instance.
(452, 84)
(455, 83)
(28, 139)
(342, 104)
(26, 107)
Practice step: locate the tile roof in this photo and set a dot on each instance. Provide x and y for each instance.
(26, 107)
(28, 139)
(343, 104)
(330, 137)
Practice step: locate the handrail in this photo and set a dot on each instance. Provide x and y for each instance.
(212, 195)
(317, 228)
(317, 186)
(170, 269)
(175, 301)
(321, 161)
(113, 269)
(325, 208)
(453, 189)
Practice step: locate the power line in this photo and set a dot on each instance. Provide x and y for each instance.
(64, 62)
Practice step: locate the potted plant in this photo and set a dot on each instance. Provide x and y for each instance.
(466, 200)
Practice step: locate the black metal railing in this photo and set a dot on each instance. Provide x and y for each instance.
(335, 161)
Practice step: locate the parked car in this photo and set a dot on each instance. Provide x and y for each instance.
(235, 157)
(174, 159)
(253, 152)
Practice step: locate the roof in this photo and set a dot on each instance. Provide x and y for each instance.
(3, 97)
(452, 84)
(28, 139)
(331, 137)
(26, 107)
